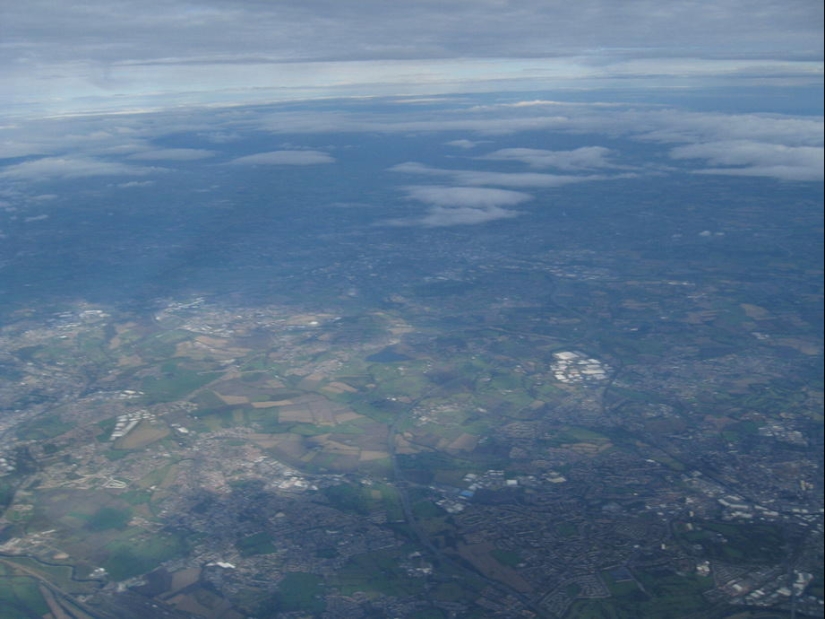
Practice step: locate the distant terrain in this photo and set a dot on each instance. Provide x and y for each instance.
(337, 390)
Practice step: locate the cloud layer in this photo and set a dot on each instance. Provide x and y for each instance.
(285, 157)
(584, 158)
(457, 206)
(100, 54)
(521, 180)
(749, 158)
(63, 168)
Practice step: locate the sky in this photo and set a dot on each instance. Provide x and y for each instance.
(116, 55)
(97, 89)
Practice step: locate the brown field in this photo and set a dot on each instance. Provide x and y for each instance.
(334, 447)
(589, 449)
(403, 446)
(339, 387)
(701, 317)
(291, 445)
(803, 346)
(311, 382)
(184, 578)
(465, 442)
(348, 416)
(144, 434)
(120, 329)
(204, 604)
(232, 400)
(204, 345)
(272, 404)
(479, 556)
(215, 342)
(299, 414)
(314, 409)
(171, 476)
(265, 441)
(129, 361)
(369, 455)
(755, 312)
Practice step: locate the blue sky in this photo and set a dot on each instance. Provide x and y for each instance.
(115, 55)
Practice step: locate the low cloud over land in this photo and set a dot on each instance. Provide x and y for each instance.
(749, 158)
(50, 168)
(584, 158)
(455, 206)
(285, 157)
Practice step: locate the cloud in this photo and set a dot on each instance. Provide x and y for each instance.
(785, 147)
(173, 154)
(50, 168)
(466, 196)
(503, 179)
(672, 125)
(750, 158)
(651, 123)
(462, 216)
(111, 144)
(172, 31)
(457, 206)
(93, 54)
(465, 144)
(578, 159)
(132, 184)
(285, 157)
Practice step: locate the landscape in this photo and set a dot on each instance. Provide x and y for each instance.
(444, 367)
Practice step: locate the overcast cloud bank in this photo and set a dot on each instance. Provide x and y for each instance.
(87, 55)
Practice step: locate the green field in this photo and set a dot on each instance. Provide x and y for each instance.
(257, 544)
(141, 554)
(174, 384)
(297, 592)
(377, 572)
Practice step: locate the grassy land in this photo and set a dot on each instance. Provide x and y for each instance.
(140, 555)
(297, 592)
(257, 544)
(738, 542)
(377, 572)
(174, 384)
(668, 595)
(44, 428)
(506, 557)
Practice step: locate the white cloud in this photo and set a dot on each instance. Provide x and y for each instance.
(131, 184)
(134, 54)
(173, 154)
(578, 159)
(96, 144)
(70, 167)
(439, 216)
(465, 144)
(750, 158)
(466, 196)
(502, 179)
(643, 122)
(456, 206)
(689, 127)
(285, 157)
